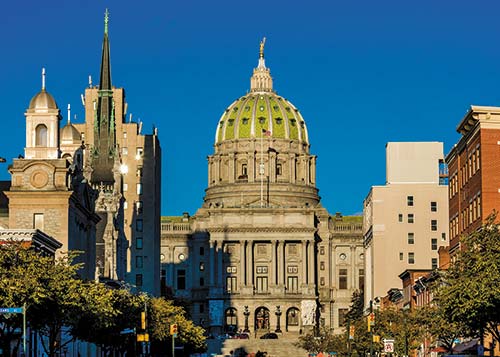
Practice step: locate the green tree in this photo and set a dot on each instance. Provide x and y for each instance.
(324, 341)
(162, 313)
(470, 292)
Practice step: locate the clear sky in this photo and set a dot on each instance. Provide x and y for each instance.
(362, 73)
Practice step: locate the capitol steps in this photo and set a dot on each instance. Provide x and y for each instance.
(282, 347)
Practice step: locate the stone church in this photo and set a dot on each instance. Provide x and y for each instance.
(262, 254)
(92, 186)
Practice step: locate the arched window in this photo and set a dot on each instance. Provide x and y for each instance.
(231, 320)
(292, 317)
(41, 135)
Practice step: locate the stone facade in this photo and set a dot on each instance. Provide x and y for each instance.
(262, 253)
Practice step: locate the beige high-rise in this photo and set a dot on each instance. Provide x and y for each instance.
(405, 221)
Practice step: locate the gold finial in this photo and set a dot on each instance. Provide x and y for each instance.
(106, 21)
(262, 44)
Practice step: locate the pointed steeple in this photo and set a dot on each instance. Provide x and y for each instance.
(261, 81)
(105, 78)
(104, 136)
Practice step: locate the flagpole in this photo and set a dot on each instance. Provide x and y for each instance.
(261, 168)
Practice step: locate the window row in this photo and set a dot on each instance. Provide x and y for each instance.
(410, 201)
(472, 212)
(411, 257)
(138, 153)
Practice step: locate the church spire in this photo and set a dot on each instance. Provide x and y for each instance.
(261, 81)
(104, 136)
(105, 80)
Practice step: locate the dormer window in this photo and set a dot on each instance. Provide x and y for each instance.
(245, 121)
(262, 120)
(279, 121)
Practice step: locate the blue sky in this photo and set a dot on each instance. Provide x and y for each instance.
(362, 73)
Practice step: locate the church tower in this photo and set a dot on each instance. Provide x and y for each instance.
(42, 126)
(124, 166)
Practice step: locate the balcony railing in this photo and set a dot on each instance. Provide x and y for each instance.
(173, 227)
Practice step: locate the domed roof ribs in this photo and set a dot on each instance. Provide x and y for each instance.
(105, 126)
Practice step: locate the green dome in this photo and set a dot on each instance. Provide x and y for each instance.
(259, 112)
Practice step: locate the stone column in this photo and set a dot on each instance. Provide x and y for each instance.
(212, 263)
(170, 271)
(217, 170)
(313, 170)
(232, 168)
(304, 262)
(293, 168)
(310, 262)
(274, 264)
(251, 167)
(242, 275)
(307, 170)
(219, 264)
(351, 279)
(249, 261)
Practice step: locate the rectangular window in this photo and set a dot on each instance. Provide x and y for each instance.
(342, 317)
(411, 258)
(434, 244)
(125, 151)
(322, 266)
(292, 284)
(138, 279)
(410, 217)
(138, 261)
(138, 207)
(124, 134)
(125, 205)
(409, 200)
(343, 279)
(38, 221)
(401, 256)
(231, 269)
(322, 281)
(202, 266)
(400, 217)
(139, 188)
(261, 270)
(434, 263)
(443, 237)
(139, 172)
(202, 250)
(139, 153)
(434, 206)
(434, 225)
(125, 187)
(361, 279)
(138, 243)
(411, 238)
(138, 225)
(181, 279)
(261, 284)
(231, 284)
(202, 281)
(278, 170)
(322, 250)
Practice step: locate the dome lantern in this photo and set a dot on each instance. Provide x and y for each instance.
(261, 80)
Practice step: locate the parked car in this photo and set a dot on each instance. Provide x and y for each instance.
(269, 336)
(243, 336)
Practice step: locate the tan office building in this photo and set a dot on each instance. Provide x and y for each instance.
(406, 220)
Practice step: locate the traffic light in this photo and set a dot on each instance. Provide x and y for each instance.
(173, 329)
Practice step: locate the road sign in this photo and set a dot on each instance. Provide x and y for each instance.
(11, 310)
(389, 346)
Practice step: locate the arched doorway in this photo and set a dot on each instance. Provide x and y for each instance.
(292, 319)
(230, 320)
(262, 318)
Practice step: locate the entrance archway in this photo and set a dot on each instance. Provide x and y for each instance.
(262, 318)
(292, 319)
(230, 320)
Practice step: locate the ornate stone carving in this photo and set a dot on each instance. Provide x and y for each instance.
(39, 179)
(308, 309)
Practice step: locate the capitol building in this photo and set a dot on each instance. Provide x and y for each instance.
(262, 254)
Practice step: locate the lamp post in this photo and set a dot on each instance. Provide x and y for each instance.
(246, 313)
(278, 316)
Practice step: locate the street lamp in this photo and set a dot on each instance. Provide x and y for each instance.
(278, 316)
(246, 313)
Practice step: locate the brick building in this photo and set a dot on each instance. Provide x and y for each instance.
(474, 171)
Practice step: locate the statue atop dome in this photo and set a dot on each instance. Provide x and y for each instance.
(261, 50)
